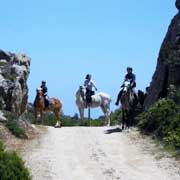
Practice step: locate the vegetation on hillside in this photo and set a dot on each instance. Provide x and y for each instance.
(50, 120)
(11, 166)
(162, 121)
(13, 125)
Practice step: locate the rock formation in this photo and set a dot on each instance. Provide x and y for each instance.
(14, 71)
(167, 73)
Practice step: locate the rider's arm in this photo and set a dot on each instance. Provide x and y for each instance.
(94, 85)
(134, 78)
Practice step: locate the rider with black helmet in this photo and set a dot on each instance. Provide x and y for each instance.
(128, 77)
(45, 90)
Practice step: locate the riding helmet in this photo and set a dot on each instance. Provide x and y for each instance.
(88, 76)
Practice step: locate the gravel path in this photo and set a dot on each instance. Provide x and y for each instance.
(84, 153)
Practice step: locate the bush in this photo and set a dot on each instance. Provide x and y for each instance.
(1, 103)
(11, 77)
(171, 134)
(11, 166)
(116, 117)
(28, 116)
(10, 116)
(157, 116)
(1, 146)
(13, 126)
(162, 120)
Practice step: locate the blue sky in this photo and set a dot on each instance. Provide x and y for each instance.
(67, 39)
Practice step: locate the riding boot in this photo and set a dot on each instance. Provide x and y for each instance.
(118, 98)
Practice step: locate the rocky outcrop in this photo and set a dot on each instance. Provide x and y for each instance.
(14, 71)
(2, 118)
(178, 4)
(167, 73)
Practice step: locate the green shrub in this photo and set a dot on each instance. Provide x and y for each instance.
(30, 117)
(171, 134)
(157, 116)
(11, 77)
(11, 166)
(116, 117)
(162, 120)
(69, 121)
(50, 120)
(1, 103)
(13, 126)
(10, 116)
(1, 146)
(3, 63)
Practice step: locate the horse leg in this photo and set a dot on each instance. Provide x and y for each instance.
(35, 115)
(131, 118)
(81, 112)
(41, 116)
(58, 122)
(38, 116)
(123, 119)
(106, 114)
(127, 119)
(103, 109)
(108, 119)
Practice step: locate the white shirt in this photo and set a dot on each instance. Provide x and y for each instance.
(89, 84)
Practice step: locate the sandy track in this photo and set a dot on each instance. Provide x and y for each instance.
(82, 153)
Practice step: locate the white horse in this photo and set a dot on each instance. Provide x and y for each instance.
(98, 100)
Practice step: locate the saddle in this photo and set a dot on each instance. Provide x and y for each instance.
(47, 101)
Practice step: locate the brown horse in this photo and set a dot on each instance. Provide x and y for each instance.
(127, 105)
(39, 106)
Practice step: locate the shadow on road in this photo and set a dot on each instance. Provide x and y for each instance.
(110, 131)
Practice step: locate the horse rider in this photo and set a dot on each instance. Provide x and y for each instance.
(89, 85)
(45, 90)
(130, 76)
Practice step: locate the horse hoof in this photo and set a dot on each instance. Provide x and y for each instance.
(57, 126)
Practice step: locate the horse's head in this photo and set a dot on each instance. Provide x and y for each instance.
(81, 96)
(127, 97)
(39, 93)
(82, 91)
(127, 86)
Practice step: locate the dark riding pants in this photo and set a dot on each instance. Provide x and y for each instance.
(89, 93)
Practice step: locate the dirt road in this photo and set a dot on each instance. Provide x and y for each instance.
(84, 153)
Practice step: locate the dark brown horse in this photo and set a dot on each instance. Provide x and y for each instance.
(127, 105)
(39, 106)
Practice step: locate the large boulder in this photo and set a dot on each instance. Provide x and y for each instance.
(167, 73)
(178, 4)
(14, 71)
